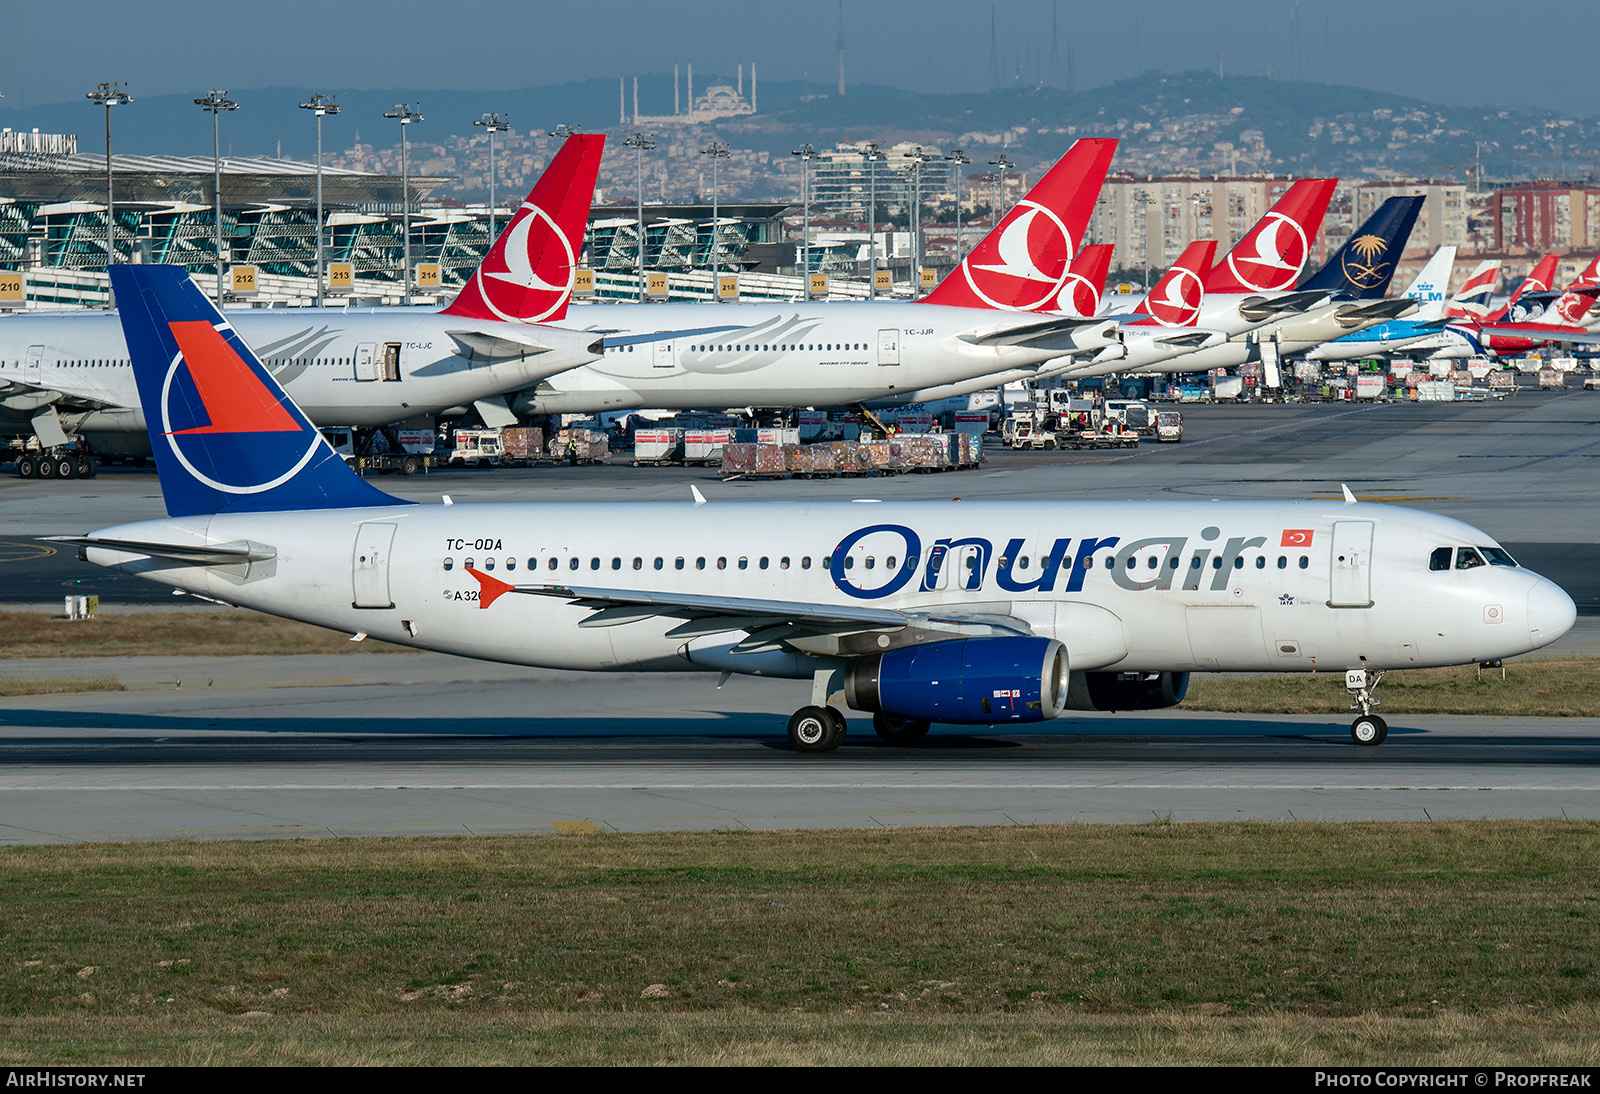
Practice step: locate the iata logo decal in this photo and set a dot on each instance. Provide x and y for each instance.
(211, 392)
(1273, 258)
(1296, 537)
(521, 290)
(1362, 263)
(1028, 265)
(1177, 299)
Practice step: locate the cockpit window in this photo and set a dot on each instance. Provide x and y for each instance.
(1498, 556)
(1440, 559)
(1467, 558)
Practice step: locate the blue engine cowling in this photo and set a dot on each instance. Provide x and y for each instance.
(967, 681)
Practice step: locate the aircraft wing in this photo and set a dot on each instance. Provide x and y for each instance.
(1541, 334)
(1377, 311)
(17, 394)
(1065, 333)
(503, 340)
(769, 623)
(1262, 308)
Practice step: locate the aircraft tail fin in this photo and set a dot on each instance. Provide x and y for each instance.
(1023, 264)
(1273, 254)
(1431, 287)
(1471, 301)
(225, 435)
(1573, 305)
(1086, 281)
(1364, 266)
(528, 274)
(1175, 300)
(1539, 279)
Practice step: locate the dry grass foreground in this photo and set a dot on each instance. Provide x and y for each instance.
(1458, 943)
(222, 633)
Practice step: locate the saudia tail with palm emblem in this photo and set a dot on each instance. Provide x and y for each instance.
(226, 438)
(1364, 266)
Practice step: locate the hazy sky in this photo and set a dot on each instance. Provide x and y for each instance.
(1465, 52)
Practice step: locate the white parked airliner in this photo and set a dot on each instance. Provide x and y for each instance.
(963, 613)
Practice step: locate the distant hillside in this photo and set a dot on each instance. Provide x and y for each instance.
(1191, 120)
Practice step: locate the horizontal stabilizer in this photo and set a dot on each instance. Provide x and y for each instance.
(1063, 332)
(197, 554)
(509, 341)
(1262, 308)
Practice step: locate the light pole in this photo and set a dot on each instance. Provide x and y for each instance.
(1145, 200)
(217, 102)
(405, 115)
(872, 154)
(917, 158)
(492, 125)
(717, 151)
(805, 152)
(640, 145)
(109, 95)
(1001, 164)
(322, 105)
(959, 158)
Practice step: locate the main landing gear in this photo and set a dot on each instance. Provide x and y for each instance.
(1369, 729)
(57, 465)
(817, 729)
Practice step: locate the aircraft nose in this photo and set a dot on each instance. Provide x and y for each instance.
(1551, 613)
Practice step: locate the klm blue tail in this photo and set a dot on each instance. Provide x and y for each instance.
(226, 437)
(1364, 266)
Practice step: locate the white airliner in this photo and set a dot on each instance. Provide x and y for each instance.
(960, 613)
(68, 371)
(768, 355)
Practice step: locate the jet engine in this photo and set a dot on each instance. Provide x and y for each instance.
(968, 681)
(1112, 691)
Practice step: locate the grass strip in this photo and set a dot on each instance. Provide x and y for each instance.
(222, 633)
(1222, 943)
(1555, 688)
(13, 686)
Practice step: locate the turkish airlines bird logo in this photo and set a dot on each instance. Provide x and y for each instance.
(1079, 296)
(1296, 537)
(531, 274)
(1176, 300)
(1027, 266)
(1271, 258)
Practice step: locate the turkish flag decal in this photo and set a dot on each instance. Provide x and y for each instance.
(1296, 537)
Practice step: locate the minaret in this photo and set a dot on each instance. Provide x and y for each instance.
(635, 99)
(622, 100)
(752, 87)
(841, 49)
(674, 88)
(691, 88)
(739, 89)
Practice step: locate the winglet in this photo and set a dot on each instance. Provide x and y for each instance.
(1349, 498)
(699, 498)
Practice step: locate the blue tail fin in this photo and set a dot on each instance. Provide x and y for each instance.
(225, 436)
(1364, 266)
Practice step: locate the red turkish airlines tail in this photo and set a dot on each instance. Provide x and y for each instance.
(1024, 262)
(1086, 281)
(528, 274)
(1272, 255)
(1175, 300)
(1573, 305)
(1538, 280)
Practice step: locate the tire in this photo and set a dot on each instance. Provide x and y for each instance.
(27, 468)
(816, 729)
(66, 467)
(410, 465)
(897, 730)
(1369, 730)
(89, 468)
(47, 467)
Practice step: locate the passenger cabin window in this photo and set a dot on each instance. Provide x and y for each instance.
(1467, 558)
(1440, 559)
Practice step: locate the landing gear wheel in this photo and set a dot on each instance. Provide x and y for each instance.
(27, 467)
(897, 730)
(816, 729)
(46, 467)
(88, 467)
(66, 467)
(1369, 729)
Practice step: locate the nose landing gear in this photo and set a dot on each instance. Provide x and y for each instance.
(1369, 729)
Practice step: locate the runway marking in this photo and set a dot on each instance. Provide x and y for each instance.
(1110, 784)
(12, 550)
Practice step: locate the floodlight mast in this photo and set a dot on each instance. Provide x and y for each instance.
(805, 152)
(640, 143)
(958, 157)
(322, 105)
(717, 151)
(405, 115)
(492, 124)
(109, 95)
(217, 102)
(872, 154)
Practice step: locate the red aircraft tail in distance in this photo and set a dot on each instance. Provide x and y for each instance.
(1538, 280)
(1273, 254)
(1086, 281)
(1176, 299)
(1024, 263)
(528, 275)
